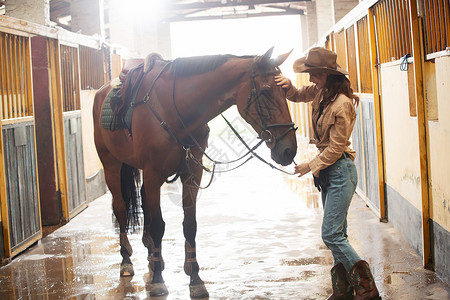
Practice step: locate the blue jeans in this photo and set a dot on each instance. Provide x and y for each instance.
(336, 200)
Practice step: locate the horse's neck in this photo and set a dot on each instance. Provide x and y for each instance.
(216, 92)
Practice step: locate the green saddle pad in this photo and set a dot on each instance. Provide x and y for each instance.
(109, 120)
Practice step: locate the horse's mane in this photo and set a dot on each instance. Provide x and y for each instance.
(196, 65)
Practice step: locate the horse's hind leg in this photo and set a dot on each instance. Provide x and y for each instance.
(154, 227)
(191, 267)
(113, 169)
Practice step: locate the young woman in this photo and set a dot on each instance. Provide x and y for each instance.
(333, 117)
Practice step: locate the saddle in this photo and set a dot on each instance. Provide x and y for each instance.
(117, 110)
(132, 63)
(128, 65)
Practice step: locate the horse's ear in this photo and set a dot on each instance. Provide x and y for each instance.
(280, 59)
(267, 55)
(265, 59)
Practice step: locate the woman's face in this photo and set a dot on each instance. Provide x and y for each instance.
(318, 78)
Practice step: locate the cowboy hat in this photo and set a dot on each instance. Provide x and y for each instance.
(319, 59)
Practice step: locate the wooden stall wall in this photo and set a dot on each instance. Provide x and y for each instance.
(76, 186)
(20, 213)
(365, 132)
(349, 43)
(435, 21)
(49, 190)
(391, 28)
(41, 127)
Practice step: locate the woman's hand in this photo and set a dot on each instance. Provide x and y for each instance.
(302, 169)
(283, 81)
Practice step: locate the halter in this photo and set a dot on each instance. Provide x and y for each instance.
(258, 97)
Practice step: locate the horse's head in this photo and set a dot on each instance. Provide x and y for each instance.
(262, 103)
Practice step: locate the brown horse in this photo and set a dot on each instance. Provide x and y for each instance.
(172, 106)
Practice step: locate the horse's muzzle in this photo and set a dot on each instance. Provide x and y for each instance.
(285, 156)
(284, 151)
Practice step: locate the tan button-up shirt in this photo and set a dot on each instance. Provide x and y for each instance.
(332, 130)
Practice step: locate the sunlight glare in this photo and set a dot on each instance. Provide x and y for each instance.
(139, 10)
(251, 36)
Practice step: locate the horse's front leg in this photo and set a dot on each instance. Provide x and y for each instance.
(153, 231)
(191, 267)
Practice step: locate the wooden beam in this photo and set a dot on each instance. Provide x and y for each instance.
(378, 114)
(4, 199)
(287, 9)
(59, 9)
(418, 55)
(58, 124)
(8, 24)
(219, 4)
(182, 18)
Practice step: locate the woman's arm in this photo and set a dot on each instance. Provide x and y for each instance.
(304, 94)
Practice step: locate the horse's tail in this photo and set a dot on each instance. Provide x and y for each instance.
(130, 181)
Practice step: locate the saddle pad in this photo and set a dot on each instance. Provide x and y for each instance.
(109, 120)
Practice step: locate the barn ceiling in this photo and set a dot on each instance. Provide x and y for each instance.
(190, 10)
(59, 9)
(185, 10)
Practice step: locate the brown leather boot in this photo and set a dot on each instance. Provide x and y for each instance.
(362, 281)
(342, 290)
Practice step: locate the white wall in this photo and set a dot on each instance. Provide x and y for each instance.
(92, 162)
(401, 147)
(439, 132)
(30, 10)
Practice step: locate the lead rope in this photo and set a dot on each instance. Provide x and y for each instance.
(251, 150)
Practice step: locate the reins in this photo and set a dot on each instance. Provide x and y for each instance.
(146, 101)
(252, 151)
(188, 156)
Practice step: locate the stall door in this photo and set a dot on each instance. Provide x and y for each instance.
(19, 197)
(358, 146)
(74, 162)
(76, 187)
(21, 183)
(370, 151)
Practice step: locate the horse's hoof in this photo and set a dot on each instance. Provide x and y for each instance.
(158, 289)
(126, 270)
(198, 291)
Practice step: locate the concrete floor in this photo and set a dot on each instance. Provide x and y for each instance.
(258, 238)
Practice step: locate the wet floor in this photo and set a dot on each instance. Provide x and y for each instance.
(258, 238)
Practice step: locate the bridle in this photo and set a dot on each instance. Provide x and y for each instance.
(259, 98)
(265, 135)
